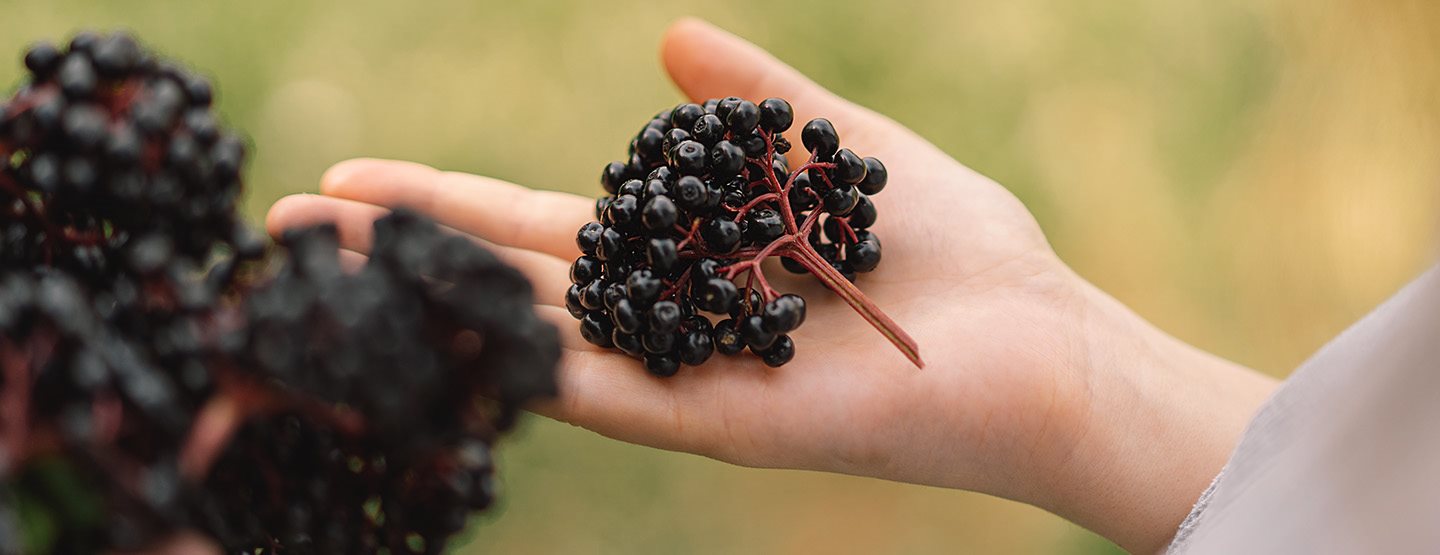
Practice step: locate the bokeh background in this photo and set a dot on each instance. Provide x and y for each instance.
(1251, 175)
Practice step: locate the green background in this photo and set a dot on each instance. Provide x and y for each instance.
(1251, 175)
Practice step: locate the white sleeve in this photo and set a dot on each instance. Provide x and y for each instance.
(1345, 457)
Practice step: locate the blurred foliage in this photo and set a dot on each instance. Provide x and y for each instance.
(1251, 176)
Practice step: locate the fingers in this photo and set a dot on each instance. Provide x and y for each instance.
(501, 212)
(355, 223)
(707, 62)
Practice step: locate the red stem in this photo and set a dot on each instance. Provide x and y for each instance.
(803, 253)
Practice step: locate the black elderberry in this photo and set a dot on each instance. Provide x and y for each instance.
(820, 138)
(585, 269)
(642, 287)
(626, 317)
(863, 256)
(726, 159)
(717, 295)
(688, 157)
(776, 115)
(592, 295)
(849, 168)
(614, 292)
(743, 118)
(42, 59)
(673, 138)
(664, 317)
(624, 210)
(628, 343)
(611, 244)
(752, 145)
(572, 301)
(727, 338)
(663, 365)
(721, 235)
(612, 176)
(864, 213)
(763, 226)
(726, 105)
(696, 347)
(650, 145)
(708, 129)
(841, 200)
(77, 77)
(779, 353)
(660, 213)
(597, 329)
(752, 330)
(875, 176)
(684, 116)
(661, 255)
(691, 193)
(658, 342)
(588, 238)
(784, 314)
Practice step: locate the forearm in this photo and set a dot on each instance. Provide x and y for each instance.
(1163, 418)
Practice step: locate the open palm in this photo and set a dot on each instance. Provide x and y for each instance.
(966, 271)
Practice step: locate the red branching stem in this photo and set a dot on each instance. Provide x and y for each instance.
(238, 400)
(792, 245)
(743, 210)
(844, 224)
(14, 403)
(689, 234)
(679, 284)
(805, 254)
(106, 414)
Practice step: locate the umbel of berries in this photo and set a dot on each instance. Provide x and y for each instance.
(163, 369)
(671, 270)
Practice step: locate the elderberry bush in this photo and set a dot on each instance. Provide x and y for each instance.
(163, 369)
(706, 195)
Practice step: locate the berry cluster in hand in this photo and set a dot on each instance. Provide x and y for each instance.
(162, 368)
(706, 195)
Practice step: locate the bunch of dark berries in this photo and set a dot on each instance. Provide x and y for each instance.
(706, 195)
(162, 368)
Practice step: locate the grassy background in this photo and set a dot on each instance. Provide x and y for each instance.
(1251, 175)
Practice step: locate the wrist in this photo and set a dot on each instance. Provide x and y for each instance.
(1158, 418)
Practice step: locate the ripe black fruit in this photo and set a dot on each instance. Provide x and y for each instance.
(820, 138)
(688, 219)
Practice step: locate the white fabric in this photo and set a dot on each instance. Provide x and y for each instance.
(1345, 457)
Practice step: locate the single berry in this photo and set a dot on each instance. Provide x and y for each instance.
(820, 138)
(781, 352)
(727, 338)
(863, 256)
(752, 329)
(875, 176)
(696, 347)
(662, 365)
(776, 115)
(849, 168)
(588, 238)
(743, 118)
(596, 329)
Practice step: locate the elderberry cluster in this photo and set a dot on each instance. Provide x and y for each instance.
(707, 193)
(407, 341)
(163, 369)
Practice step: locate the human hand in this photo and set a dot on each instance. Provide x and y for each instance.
(1038, 387)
